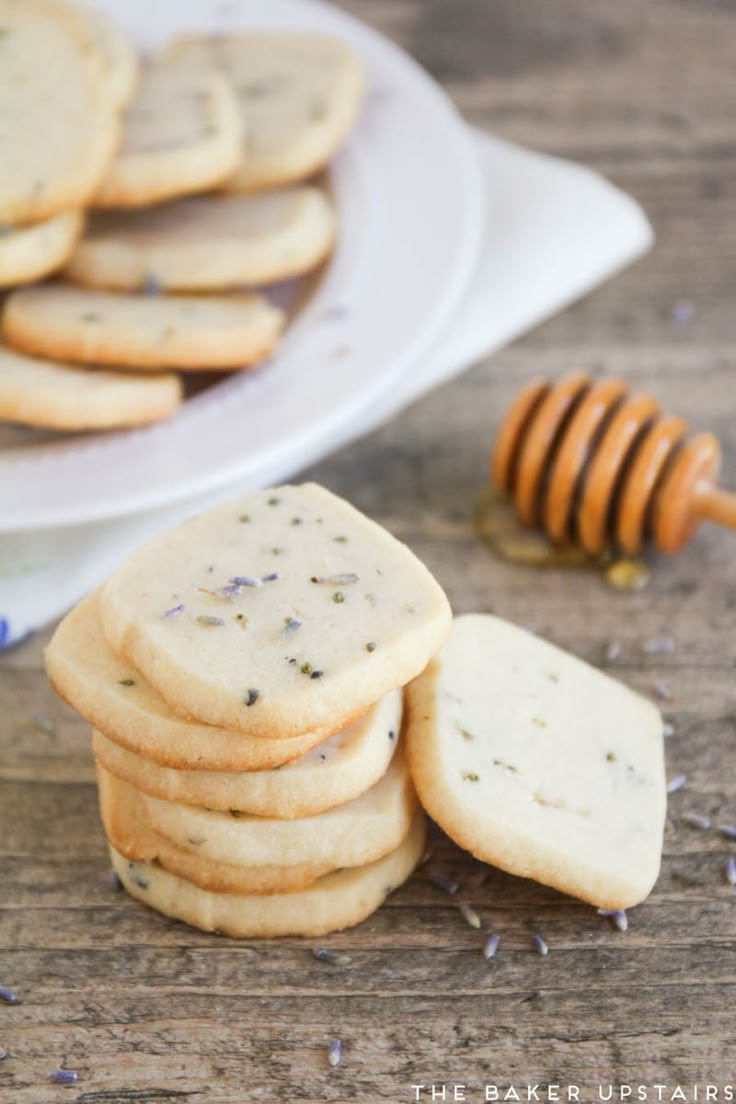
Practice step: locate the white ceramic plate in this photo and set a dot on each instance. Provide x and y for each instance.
(410, 201)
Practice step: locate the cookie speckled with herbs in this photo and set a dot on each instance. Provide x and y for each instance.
(318, 674)
(538, 763)
(144, 332)
(181, 134)
(299, 94)
(330, 774)
(351, 834)
(118, 701)
(338, 900)
(58, 130)
(206, 242)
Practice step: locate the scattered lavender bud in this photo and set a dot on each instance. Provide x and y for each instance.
(291, 625)
(174, 611)
(659, 645)
(447, 885)
(662, 692)
(540, 946)
(151, 285)
(44, 723)
(668, 730)
(334, 1052)
(676, 783)
(207, 619)
(492, 944)
(617, 917)
(728, 830)
(244, 581)
(695, 820)
(469, 915)
(731, 870)
(613, 651)
(426, 857)
(64, 1077)
(683, 312)
(115, 882)
(3, 1054)
(333, 958)
(8, 996)
(271, 578)
(252, 697)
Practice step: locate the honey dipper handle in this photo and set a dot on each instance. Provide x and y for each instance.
(716, 505)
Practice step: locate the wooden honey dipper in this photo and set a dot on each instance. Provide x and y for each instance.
(596, 466)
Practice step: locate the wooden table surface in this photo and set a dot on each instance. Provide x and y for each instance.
(148, 1010)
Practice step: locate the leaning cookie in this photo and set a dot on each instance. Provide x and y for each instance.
(338, 900)
(299, 95)
(141, 332)
(207, 242)
(32, 252)
(181, 134)
(333, 773)
(128, 829)
(538, 763)
(57, 396)
(57, 119)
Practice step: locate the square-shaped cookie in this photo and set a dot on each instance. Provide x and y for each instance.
(538, 763)
(280, 612)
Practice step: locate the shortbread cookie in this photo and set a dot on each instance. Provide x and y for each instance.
(117, 700)
(42, 393)
(333, 773)
(299, 95)
(294, 612)
(57, 129)
(339, 900)
(199, 333)
(129, 831)
(207, 242)
(117, 54)
(348, 835)
(538, 763)
(31, 252)
(181, 134)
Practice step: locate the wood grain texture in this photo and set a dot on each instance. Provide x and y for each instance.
(146, 1010)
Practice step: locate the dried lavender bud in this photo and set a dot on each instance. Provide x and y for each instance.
(333, 958)
(695, 820)
(731, 870)
(64, 1077)
(659, 645)
(271, 577)
(334, 1052)
(115, 882)
(617, 917)
(447, 885)
(317, 675)
(470, 915)
(244, 581)
(492, 944)
(252, 697)
(336, 580)
(668, 730)
(676, 783)
(728, 830)
(291, 625)
(174, 611)
(662, 692)
(209, 620)
(7, 996)
(540, 946)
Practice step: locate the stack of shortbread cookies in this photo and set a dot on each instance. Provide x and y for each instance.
(193, 165)
(242, 675)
